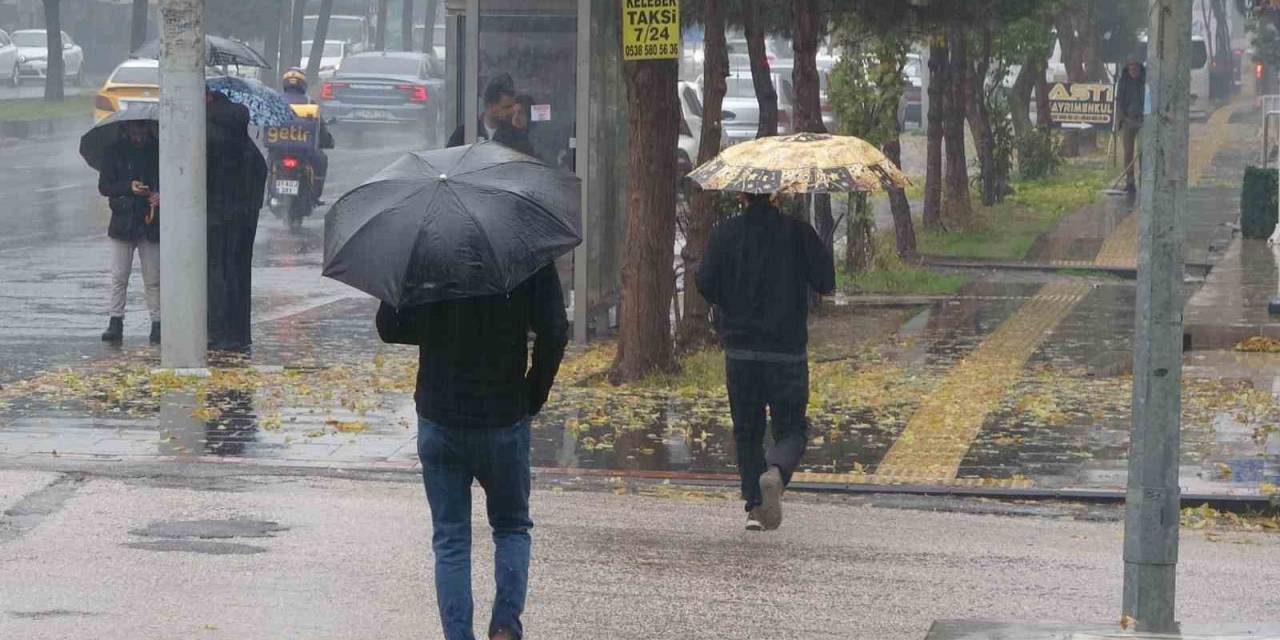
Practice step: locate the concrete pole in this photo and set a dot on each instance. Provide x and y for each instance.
(582, 144)
(183, 248)
(1153, 500)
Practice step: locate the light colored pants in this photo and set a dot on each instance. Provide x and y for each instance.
(122, 267)
(1132, 130)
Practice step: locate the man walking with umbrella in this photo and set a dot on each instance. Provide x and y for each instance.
(459, 245)
(130, 179)
(758, 271)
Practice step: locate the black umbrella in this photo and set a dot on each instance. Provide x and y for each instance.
(94, 143)
(217, 52)
(455, 223)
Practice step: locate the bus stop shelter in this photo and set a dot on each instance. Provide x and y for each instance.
(566, 55)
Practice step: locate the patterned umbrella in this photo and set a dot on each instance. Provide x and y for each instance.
(218, 51)
(801, 163)
(267, 108)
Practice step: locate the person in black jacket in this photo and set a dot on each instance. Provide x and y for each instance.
(1131, 106)
(759, 269)
(499, 103)
(237, 178)
(130, 179)
(516, 133)
(476, 394)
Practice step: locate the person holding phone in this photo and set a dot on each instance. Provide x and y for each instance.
(130, 179)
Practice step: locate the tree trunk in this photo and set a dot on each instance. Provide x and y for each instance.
(380, 30)
(644, 337)
(429, 26)
(932, 215)
(1020, 99)
(761, 77)
(980, 122)
(271, 48)
(1043, 114)
(695, 328)
(296, 36)
(55, 73)
(904, 231)
(406, 25)
(1073, 32)
(138, 31)
(1223, 68)
(860, 243)
(807, 117)
(317, 43)
(957, 210)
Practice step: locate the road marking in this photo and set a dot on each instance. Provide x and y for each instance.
(939, 433)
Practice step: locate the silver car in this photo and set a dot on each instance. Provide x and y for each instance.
(9, 65)
(33, 55)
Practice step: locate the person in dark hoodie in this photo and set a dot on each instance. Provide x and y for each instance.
(758, 272)
(130, 179)
(499, 103)
(476, 393)
(1131, 103)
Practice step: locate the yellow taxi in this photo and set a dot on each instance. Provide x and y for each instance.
(135, 80)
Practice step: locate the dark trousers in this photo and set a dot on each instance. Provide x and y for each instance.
(499, 460)
(783, 389)
(1132, 131)
(231, 282)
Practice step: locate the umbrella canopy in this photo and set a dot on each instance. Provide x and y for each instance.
(218, 51)
(94, 143)
(801, 163)
(455, 223)
(267, 107)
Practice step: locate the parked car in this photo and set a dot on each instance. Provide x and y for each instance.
(911, 111)
(354, 30)
(824, 92)
(690, 138)
(385, 88)
(439, 39)
(741, 110)
(9, 65)
(330, 57)
(33, 55)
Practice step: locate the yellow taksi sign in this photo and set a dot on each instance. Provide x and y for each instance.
(1081, 106)
(650, 29)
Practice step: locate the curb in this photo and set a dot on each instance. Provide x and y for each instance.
(947, 263)
(12, 130)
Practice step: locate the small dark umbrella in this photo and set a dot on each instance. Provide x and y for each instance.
(455, 223)
(94, 143)
(217, 52)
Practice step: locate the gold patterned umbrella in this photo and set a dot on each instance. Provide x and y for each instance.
(800, 163)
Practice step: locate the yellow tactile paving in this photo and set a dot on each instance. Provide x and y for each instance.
(1121, 248)
(869, 478)
(940, 432)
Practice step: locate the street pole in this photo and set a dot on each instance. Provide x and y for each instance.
(1152, 505)
(183, 263)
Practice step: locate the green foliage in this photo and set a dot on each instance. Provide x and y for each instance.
(890, 275)
(867, 84)
(1258, 203)
(1039, 154)
(37, 109)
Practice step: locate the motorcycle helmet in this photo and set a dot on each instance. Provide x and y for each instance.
(294, 81)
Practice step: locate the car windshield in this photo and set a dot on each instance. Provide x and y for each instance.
(340, 28)
(381, 65)
(30, 39)
(331, 49)
(740, 87)
(137, 75)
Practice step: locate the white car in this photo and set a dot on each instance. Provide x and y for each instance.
(330, 58)
(33, 58)
(9, 60)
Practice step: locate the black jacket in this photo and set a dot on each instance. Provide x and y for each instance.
(473, 357)
(459, 136)
(518, 139)
(237, 174)
(1131, 96)
(122, 164)
(758, 270)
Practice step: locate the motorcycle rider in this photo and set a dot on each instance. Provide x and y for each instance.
(294, 86)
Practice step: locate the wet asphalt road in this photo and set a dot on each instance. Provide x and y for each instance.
(54, 254)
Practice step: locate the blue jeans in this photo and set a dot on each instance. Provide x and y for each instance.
(499, 460)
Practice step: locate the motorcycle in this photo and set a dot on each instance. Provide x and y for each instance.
(293, 186)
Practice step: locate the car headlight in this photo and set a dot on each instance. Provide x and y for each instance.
(21, 58)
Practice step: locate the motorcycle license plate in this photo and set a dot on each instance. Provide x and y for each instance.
(287, 187)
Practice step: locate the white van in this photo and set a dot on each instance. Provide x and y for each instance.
(1200, 104)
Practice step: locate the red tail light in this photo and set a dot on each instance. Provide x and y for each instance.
(826, 107)
(326, 89)
(103, 103)
(289, 162)
(1257, 71)
(417, 93)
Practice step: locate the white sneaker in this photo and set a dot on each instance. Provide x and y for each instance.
(753, 522)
